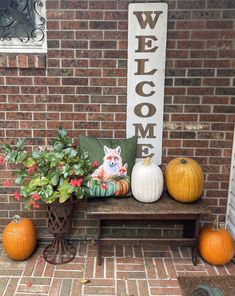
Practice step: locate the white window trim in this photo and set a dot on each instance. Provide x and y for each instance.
(16, 46)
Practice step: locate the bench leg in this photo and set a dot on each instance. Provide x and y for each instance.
(98, 249)
(98, 252)
(195, 247)
(195, 254)
(191, 229)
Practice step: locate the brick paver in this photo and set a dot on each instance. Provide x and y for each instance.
(125, 271)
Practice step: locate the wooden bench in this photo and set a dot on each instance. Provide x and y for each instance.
(165, 209)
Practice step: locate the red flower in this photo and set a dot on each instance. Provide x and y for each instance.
(73, 182)
(35, 196)
(2, 159)
(95, 164)
(76, 182)
(34, 204)
(79, 182)
(104, 186)
(17, 195)
(7, 183)
(31, 169)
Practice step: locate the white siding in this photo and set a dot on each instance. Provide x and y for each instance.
(230, 215)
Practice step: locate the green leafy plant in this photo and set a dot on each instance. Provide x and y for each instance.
(49, 174)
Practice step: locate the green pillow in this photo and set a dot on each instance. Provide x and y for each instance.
(116, 158)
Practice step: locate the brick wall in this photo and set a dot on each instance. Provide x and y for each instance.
(81, 85)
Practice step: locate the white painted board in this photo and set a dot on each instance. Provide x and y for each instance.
(147, 34)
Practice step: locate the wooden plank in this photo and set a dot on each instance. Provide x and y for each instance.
(130, 206)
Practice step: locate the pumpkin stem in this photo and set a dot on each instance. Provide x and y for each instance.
(147, 161)
(17, 219)
(183, 161)
(216, 225)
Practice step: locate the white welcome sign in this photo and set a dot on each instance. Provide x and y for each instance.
(146, 74)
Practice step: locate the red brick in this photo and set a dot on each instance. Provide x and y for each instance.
(12, 61)
(89, 35)
(108, 5)
(166, 291)
(89, 14)
(19, 116)
(47, 81)
(9, 89)
(189, 25)
(33, 90)
(55, 287)
(204, 35)
(19, 80)
(62, 90)
(22, 61)
(32, 107)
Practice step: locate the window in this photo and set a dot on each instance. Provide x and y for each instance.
(22, 26)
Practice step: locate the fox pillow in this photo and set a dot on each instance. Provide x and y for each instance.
(114, 159)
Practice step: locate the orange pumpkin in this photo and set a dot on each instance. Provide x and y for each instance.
(122, 186)
(184, 179)
(19, 238)
(216, 245)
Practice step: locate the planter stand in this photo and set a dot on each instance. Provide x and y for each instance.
(59, 217)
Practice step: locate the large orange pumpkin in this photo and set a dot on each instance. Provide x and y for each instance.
(184, 179)
(216, 245)
(19, 238)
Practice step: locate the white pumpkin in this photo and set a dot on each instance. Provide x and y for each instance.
(146, 181)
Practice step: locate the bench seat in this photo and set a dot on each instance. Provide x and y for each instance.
(165, 209)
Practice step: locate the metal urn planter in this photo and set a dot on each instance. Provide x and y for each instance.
(59, 222)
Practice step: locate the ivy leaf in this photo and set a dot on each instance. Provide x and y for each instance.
(65, 191)
(21, 156)
(11, 157)
(84, 155)
(58, 146)
(66, 170)
(62, 140)
(46, 193)
(62, 180)
(36, 154)
(29, 162)
(25, 191)
(54, 179)
(38, 182)
(55, 158)
(78, 170)
(19, 180)
(62, 133)
(20, 144)
(79, 191)
(53, 197)
(6, 148)
(70, 152)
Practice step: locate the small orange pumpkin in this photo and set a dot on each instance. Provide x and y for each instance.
(216, 245)
(122, 185)
(184, 179)
(19, 238)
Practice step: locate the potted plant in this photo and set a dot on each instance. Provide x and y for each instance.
(57, 175)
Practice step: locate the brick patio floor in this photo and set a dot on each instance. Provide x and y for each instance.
(125, 271)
